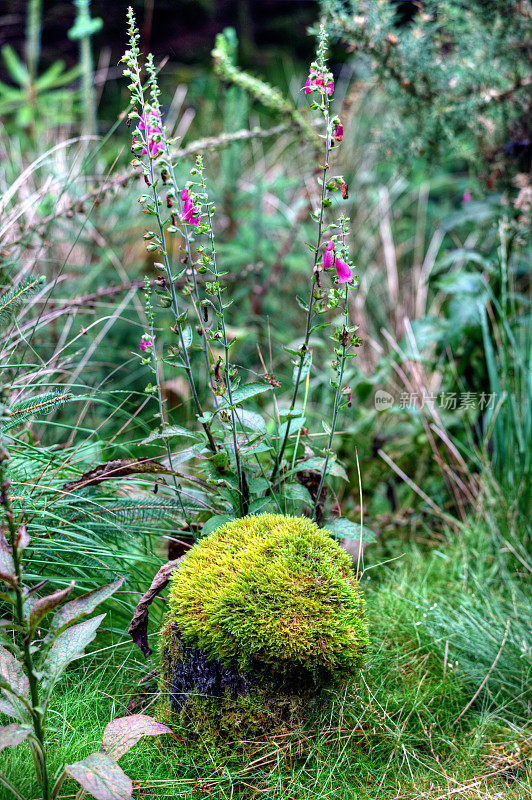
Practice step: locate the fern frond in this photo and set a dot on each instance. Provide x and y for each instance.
(11, 302)
(37, 406)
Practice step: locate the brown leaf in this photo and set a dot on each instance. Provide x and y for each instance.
(122, 733)
(101, 777)
(120, 468)
(138, 628)
(44, 605)
(11, 735)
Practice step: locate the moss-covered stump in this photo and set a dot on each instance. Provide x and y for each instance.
(264, 613)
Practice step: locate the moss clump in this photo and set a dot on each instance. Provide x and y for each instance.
(274, 594)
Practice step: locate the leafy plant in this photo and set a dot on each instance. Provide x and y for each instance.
(251, 464)
(34, 657)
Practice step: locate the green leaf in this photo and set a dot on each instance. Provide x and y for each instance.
(11, 735)
(250, 390)
(259, 505)
(214, 522)
(14, 66)
(295, 491)
(343, 528)
(68, 646)
(44, 605)
(317, 464)
(101, 777)
(121, 734)
(258, 485)
(251, 420)
(187, 337)
(80, 606)
(305, 369)
(168, 433)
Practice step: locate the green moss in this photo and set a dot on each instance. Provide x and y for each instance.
(272, 591)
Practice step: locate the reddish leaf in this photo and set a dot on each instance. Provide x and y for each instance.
(22, 538)
(44, 605)
(122, 733)
(69, 645)
(12, 673)
(82, 605)
(101, 777)
(7, 568)
(11, 735)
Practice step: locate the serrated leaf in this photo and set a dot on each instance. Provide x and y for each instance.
(80, 606)
(44, 605)
(343, 528)
(7, 567)
(168, 433)
(11, 735)
(121, 734)
(213, 523)
(101, 777)
(69, 645)
(250, 390)
(12, 673)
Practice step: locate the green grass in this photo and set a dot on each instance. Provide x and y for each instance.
(389, 734)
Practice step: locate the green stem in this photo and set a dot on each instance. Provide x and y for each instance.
(33, 38)
(337, 398)
(37, 713)
(308, 327)
(168, 270)
(242, 485)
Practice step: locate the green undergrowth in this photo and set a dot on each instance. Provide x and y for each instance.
(396, 730)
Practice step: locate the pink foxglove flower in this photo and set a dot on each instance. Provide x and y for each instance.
(146, 343)
(190, 213)
(150, 121)
(466, 197)
(316, 80)
(338, 132)
(328, 256)
(344, 271)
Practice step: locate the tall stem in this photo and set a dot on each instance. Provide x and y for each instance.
(308, 327)
(168, 270)
(337, 398)
(242, 486)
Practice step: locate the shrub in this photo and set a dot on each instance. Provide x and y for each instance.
(272, 592)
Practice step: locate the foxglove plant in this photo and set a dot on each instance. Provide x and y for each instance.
(246, 463)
